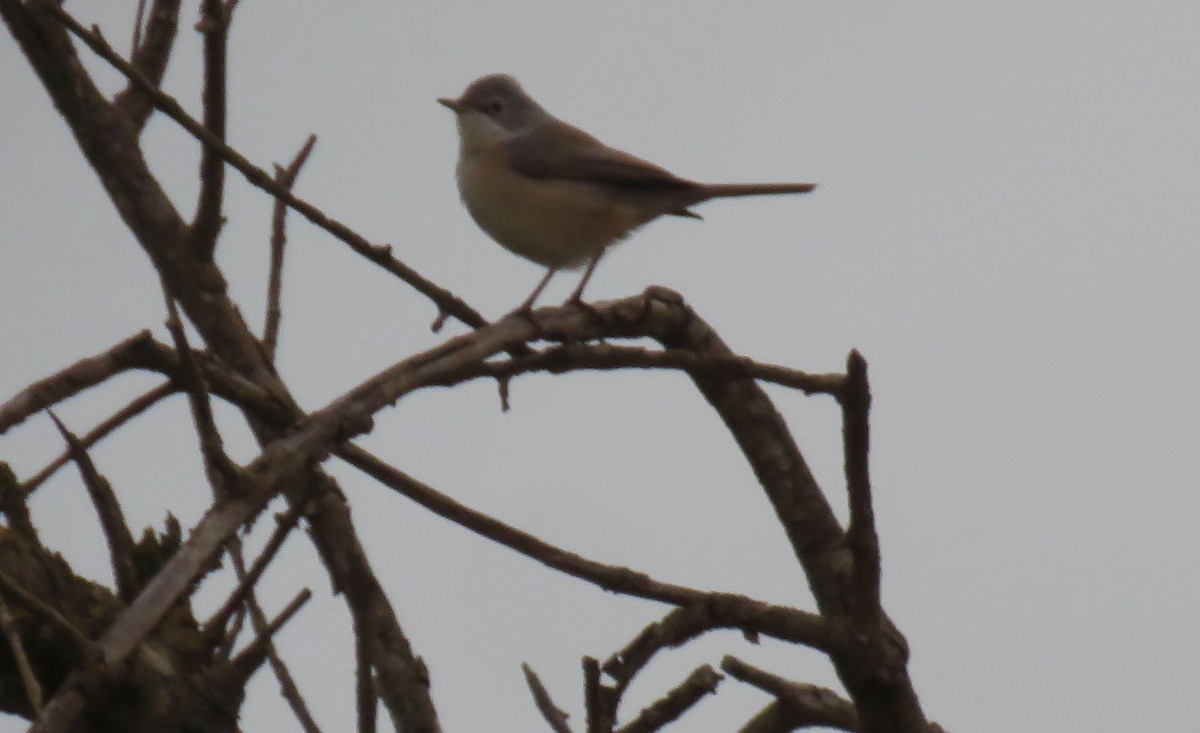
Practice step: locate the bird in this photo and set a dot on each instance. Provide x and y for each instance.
(555, 195)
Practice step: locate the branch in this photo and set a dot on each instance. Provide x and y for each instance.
(214, 25)
(381, 255)
(702, 681)
(555, 717)
(150, 55)
(599, 700)
(861, 536)
(74, 379)
(366, 701)
(223, 473)
(287, 684)
(214, 628)
(255, 653)
(717, 609)
(96, 434)
(286, 178)
(112, 519)
(810, 705)
(573, 356)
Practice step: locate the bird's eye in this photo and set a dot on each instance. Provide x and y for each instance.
(492, 107)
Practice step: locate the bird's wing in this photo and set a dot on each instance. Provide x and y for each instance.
(565, 152)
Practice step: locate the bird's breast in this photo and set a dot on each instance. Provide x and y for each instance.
(554, 222)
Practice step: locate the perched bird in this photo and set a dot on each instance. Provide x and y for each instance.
(552, 193)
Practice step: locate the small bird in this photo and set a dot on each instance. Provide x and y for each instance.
(555, 195)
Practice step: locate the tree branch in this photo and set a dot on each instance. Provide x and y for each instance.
(702, 681)
(861, 536)
(811, 705)
(286, 178)
(214, 25)
(112, 519)
(150, 55)
(555, 717)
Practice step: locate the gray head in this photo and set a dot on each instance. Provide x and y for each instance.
(499, 103)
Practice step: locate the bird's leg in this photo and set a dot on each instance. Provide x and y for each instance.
(576, 297)
(527, 306)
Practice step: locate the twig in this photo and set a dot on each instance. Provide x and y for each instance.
(96, 434)
(287, 684)
(149, 54)
(599, 700)
(555, 716)
(861, 535)
(214, 628)
(74, 379)
(33, 689)
(725, 609)
(214, 25)
(112, 519)
(255, 653)
(702, 681)
(379, 254)
(223, 473)
(574, 356)
(679, 626)
(286, 178)
(366, 701)
(15, 507)
(812, 705)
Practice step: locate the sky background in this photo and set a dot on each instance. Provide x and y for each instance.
(1007, 227)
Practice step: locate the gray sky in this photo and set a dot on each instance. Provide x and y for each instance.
(1007, 227)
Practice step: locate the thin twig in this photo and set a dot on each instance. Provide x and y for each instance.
(702, 681)
(555, 716)
(98, 433)
(33, 689)
(366, 701)
(381, 255)
(214, 25)
(726, 609)
(255, 653)
(861, 535)
(599, 701)
(64, 383)
(223, 473)
(149, 55)
(812, 705)
(286, 178)
(604, 356)
(112, 519)
(287, 684)
(215, 625)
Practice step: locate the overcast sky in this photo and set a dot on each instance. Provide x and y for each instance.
(1007, 227)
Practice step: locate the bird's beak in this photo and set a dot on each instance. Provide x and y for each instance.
(454, 105)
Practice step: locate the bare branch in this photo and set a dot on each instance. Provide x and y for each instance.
(861, 536)
(214, 628)
(112, 519)
(555, 716)
(718, 609)
(572, 356)
(255, 653)
(366, 702)
(381, 255)
(149, 56)
(214, 25)
(702, 681)
(33, 689)
(599, 700)
(286, 178)
(223, 473)
(811, 705)
(98, 433)
(74, 379)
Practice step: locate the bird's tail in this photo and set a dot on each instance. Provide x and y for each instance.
(726, 190)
